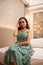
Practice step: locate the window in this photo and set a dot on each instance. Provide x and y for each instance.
(38, 25)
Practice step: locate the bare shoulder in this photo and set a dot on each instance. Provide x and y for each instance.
(28, 30)
(29, 33)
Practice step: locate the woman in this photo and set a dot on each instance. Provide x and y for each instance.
(21, 51)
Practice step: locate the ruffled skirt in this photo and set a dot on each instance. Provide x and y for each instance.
(20, 54)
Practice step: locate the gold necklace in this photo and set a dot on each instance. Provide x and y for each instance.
(23, 30)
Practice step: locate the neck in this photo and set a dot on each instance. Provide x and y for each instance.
(23, 29)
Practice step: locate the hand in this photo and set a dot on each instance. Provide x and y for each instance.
(16, 29)
(17, 25)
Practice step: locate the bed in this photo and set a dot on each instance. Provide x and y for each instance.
(7, 39)
(36, 59)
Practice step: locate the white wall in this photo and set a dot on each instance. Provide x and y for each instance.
(30, 12)
(10, 11)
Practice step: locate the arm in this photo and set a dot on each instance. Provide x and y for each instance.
(28, 39)
(16, 30)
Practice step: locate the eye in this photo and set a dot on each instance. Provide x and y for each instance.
(23, 21)
(19, 22)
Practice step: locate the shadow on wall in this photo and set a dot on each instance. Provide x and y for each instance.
(6, 37)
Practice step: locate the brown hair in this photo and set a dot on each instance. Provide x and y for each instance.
(27, 26)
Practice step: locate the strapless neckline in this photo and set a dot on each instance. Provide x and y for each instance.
(22, 33)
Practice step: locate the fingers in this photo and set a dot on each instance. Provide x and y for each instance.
(17, 25)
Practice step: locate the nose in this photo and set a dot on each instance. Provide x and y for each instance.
(21, 23)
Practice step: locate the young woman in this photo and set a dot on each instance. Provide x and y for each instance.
(21, 51)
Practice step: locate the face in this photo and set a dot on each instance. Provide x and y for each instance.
(22, 23)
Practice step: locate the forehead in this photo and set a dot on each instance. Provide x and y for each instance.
(22, 20)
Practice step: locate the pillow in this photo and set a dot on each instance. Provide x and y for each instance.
(37, 43)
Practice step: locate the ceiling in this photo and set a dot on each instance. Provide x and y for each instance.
(32, 2)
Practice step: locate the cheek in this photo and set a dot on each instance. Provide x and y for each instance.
(24, 24)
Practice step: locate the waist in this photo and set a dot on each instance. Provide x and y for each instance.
(18, 42)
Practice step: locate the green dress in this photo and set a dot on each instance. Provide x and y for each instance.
(17, 52)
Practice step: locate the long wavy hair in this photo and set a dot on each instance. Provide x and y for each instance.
(27, 25)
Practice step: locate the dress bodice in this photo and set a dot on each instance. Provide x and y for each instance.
(22, 37)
